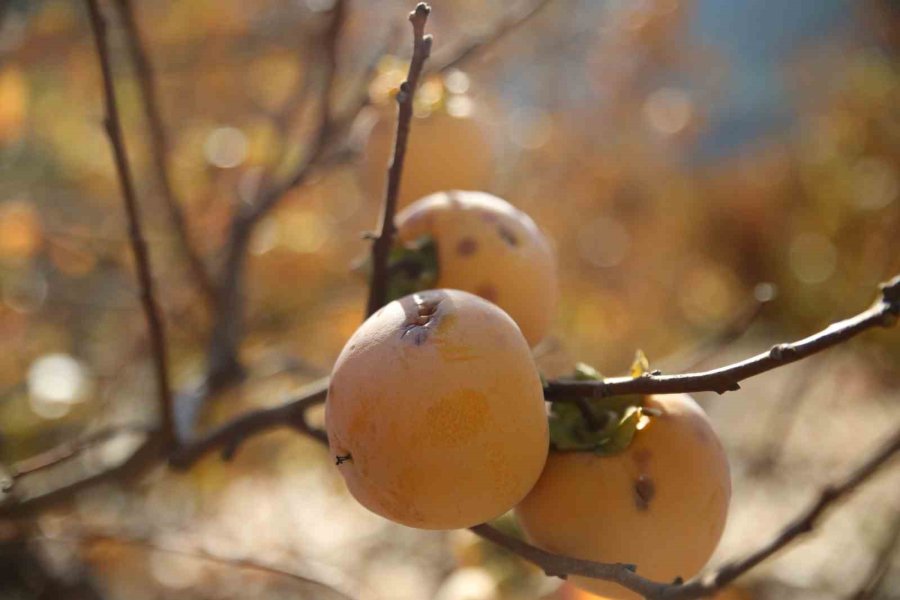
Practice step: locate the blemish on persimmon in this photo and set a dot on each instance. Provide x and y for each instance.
(644, 491)
(467, 246)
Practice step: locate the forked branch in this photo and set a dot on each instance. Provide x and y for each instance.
(150, 307)
(159, 150)
(883, 313)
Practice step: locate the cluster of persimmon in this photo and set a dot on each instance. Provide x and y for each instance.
(436, 415)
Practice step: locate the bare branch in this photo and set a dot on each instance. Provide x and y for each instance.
(228, 437)
(883, 313)
(159, 150)
(556, 565)
(69, 450)
(707, 584)
(458, 55)
(381, 248)
(94, 537)
(224, 366)
(135, 231)
(704, 585)
(147, 455)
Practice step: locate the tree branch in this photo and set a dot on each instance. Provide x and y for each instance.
(381, 248)
(704, 585)
(94, 537)
(454, 57)
(556, 565)
(148, 454)
(707, 584)
(883, 313)
(69, 450)
(135, 232)
(224, 365)
(159, 150)
(230, 436)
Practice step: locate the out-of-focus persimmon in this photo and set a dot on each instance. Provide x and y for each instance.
(444, 152)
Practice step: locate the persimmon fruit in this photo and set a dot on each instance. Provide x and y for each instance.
(435, 412)
(443, 152)
(659, 504)
(488, 247)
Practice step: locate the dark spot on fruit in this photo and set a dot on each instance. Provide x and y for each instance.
(341, 459)
(466, 246)
(488, 292)
(644, 490)
(508, 236)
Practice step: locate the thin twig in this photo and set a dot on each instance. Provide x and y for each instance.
(707, 584)
(703, 585)
(224, 365)
(381, 248)
(556, 565)
(72, 449)
(147, 455)
(159, 150)
(732, 332)
(457, 56)
(100, 537)
(135, 232)
(228, 437)
(883, 313)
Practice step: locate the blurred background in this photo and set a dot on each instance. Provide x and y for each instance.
(695, 162)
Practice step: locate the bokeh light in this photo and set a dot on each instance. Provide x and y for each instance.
(55, 383)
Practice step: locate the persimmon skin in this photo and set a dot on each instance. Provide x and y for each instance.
(436, 413)
(661, 504)
(488, 247)
(443, 152)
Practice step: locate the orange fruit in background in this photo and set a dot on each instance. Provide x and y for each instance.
(443, 152)
(660, 504)
(435, 413)
(488, 247)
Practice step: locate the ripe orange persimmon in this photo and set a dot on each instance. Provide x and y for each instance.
(659, 504)
(488, 247)
(443, 152)
(435, 412)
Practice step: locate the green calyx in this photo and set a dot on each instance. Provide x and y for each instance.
(616, 420)
(412, 267)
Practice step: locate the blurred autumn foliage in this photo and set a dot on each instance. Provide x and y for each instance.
(689, 159)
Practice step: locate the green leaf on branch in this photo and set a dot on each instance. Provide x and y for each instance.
(412, 267)
(619, 419)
